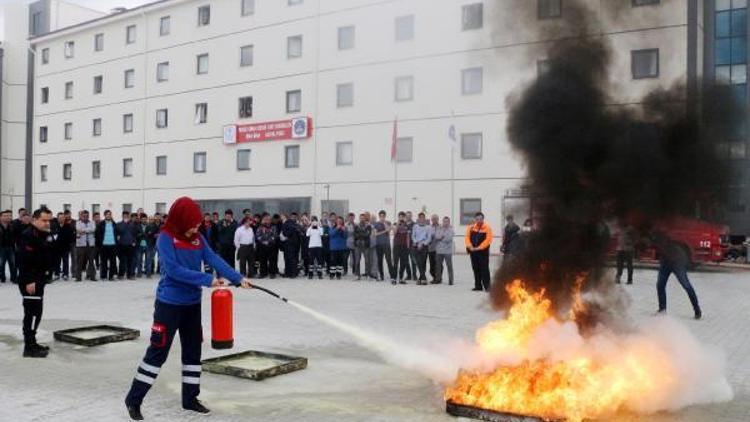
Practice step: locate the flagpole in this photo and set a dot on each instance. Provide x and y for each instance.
(394, 159)
(453, 173)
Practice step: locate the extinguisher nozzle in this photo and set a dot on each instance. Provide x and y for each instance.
(263, 289)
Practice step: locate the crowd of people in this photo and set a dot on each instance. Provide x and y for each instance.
(98, 247)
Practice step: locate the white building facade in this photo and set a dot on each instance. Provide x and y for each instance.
(131, 109)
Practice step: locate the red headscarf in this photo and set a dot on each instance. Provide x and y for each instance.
(184, 215)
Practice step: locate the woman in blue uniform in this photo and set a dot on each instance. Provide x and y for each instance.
(178, 304)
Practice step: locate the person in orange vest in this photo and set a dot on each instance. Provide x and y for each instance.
(478, 241)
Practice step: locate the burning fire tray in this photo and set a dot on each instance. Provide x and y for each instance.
(254, 365)
(96, 335)
(460, 410)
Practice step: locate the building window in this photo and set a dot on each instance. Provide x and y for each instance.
(294, 2)
(67, 207)
(472, 16)
(45, 95)
(293, 101)
(204, 15)
(644, 2)
(96, 170)
(405, 28)
(99, 42)
(97, 127)
(127, 167)
(43, 134)
(127, 123)
(129, 78)
(165, 24)
(248, 7)
(202, 64)
(291, 156)
(36, 23)
(43, 173)
(45, 56)
(130, 34)
(730, 48)
(346, 37)
(344, 153)
(246, 107)
(70, 47)
(404, 88)
(162, 72)
(161, 208)
(98, 84)
(471, 146)
(161, 165)
(469, 209)
(68, 131)
(68, 90)
(95, 208)
(246, 55)
(735, 194)
(548, 9)
(127, 207)
(243, 159)
(294, 47)
(199, 162)
(201, 113)
(404, 150)
(645, 63)
(344, 95)
(162, 118)
(472, 81)
(67, 171)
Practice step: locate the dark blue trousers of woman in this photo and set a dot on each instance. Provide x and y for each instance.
(168, 320)
(680, 271)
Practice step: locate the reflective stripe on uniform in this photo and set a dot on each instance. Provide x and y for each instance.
(191, 380)
(192, 368)
(144, 378)
(150, 368)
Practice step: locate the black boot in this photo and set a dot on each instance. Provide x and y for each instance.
(196, 406)
(32, 350)
(134, 411)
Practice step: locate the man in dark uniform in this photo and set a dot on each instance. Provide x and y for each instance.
(293, 235)
(36, 253)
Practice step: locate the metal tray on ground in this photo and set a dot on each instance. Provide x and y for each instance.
(254, 365)
(96, 335)
(464, 411)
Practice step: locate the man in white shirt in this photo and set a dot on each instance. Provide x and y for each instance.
(315, 249)
(85, 244)
(244, 241)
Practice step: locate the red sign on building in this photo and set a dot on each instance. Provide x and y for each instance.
(297, 128)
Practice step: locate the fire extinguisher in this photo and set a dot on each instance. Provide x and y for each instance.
(222, 319)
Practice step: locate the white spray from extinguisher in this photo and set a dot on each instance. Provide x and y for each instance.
(437, 367)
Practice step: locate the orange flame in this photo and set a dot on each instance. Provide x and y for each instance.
(581, 383)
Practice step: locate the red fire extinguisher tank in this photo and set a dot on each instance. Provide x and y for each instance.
(222, 329)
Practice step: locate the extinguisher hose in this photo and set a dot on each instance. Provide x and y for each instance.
(263, 289)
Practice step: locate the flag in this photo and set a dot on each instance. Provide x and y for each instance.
(452, 135)
(394, 141)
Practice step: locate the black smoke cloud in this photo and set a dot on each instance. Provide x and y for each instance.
(592, 162)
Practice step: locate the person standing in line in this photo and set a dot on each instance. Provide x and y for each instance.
(96, 217)
(372, 271)
(511, 238)
(225, 238)
(305, 245)
(273, 260)
(292, 243)
(362, 233)
(7, 247)
(85, 244)
(326, 222)
(142, 245)
(36, 259)
(412, 257)
(72, 246)
(215, 218)
(625, 252)
(421, 239)
(349, 258)
(444, 251)
(478, 241)
(54, 231)
(244, 242)
(210, 232)
(431, 254)
(150, 235)
(105, 236)
(126, 235)
(65, 239)
(314, 236)
(18, 226)
(177, 308)
(382, 229)
(401, 248)
(266, 238)
(339, 249)
(673, 258)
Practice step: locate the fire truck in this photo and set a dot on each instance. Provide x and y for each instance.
(704, 242)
